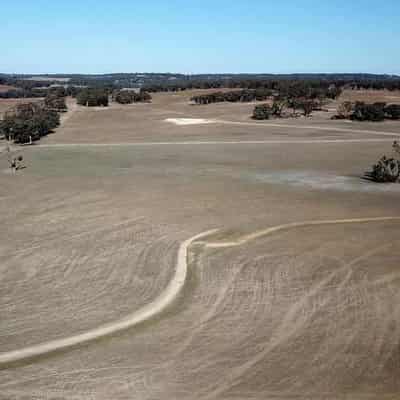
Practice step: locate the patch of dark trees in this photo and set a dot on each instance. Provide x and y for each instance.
(297, 94)
(28, 122)
(234, 96)
(361, 111)
(275, 110)
(129, 97)
(92, 97)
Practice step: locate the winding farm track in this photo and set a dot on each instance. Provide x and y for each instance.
(145, 313)
(169, 294)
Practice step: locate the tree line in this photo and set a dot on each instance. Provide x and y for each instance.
(176, 82)
(234, 96)
(361, 111)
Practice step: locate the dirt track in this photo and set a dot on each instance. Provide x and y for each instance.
(91, 234)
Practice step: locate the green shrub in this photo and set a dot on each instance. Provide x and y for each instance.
(369, 112)
(393, 111)
(262, 112)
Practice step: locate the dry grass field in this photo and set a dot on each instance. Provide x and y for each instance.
(91, 231)
(371, 96)
(7, 104)
(6, 88)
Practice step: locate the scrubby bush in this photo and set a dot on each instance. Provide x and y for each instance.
(307, 106)
(387, 169)
(262, 111)
(92, 97)
(345, 110)
(368, 112)
(278, 106)
(393, 111)
(361, 111)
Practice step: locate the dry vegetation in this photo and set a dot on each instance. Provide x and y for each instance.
(6, 88)
(371, 96)
(7, 104)
(91, 230)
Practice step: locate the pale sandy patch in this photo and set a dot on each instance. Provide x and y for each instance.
(189, 121)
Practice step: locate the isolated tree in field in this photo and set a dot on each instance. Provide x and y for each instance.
(386, 170)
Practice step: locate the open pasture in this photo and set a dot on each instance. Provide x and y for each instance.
(92, 230)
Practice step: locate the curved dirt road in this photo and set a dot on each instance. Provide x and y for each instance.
(169, 294)
(145, 313)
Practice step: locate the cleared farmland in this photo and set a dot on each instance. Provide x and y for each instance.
(91, 234)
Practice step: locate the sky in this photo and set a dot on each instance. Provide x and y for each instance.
(205, 36)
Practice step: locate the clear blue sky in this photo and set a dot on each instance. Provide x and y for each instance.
(272, 36)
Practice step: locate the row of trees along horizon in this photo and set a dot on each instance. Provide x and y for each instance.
(33, 120)
(29, 87)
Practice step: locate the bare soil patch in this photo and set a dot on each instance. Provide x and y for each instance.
(6, 88)
(91, 233)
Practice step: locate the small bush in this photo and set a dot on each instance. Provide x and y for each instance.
(393, 111)
(262, 112)
(369, 112)
(345, 110)
(385, 170)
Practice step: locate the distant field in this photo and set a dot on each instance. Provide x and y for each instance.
(6, 88)
(6, 104)
(371, 96)
(47, 79)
